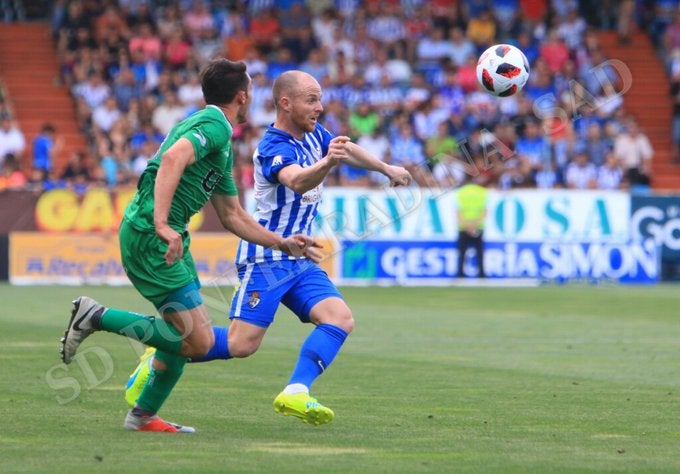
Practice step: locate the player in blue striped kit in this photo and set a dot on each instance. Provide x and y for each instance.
(291, 162)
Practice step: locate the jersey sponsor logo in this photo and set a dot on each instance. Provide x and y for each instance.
(277, 161)
(201, 138)
(210, 181)
(312, 196)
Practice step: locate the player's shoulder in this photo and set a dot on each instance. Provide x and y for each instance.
(275, 141)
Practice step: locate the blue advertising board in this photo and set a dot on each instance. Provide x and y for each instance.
(424, 262)
(658, 218)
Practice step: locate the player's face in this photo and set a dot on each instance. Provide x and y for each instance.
(242, 115)
(306, 105)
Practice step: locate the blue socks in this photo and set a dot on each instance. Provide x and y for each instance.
(219, 350)
(317, 353)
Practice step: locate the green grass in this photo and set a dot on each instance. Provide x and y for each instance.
(549, 379)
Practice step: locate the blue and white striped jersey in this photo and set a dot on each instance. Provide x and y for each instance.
(279, 208)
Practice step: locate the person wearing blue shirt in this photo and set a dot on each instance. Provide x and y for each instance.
(44, 147)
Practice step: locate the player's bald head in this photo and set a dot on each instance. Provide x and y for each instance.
(292, 83)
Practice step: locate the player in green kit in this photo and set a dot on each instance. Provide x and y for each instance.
(192, 166)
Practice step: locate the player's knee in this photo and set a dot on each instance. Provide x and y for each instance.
(348, 323)
(199, 345)
(241, 349)
(343, 319)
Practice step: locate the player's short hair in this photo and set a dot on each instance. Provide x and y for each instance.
(222, 79)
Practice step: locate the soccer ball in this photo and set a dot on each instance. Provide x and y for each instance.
(502, 70)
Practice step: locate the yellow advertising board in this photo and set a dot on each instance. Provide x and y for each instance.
(94, 258)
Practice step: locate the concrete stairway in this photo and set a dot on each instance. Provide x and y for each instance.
(649, 101)
(29, 70)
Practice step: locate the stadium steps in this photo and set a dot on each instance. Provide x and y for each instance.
(649, 101)
(29, 71)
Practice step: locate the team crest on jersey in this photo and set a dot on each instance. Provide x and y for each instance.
(254, 299)
(277, 161)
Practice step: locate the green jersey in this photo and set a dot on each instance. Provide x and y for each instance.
(210, 133)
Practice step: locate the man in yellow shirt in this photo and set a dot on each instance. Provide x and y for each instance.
(471, 199)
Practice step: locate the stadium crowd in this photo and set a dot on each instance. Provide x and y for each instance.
(398, 77)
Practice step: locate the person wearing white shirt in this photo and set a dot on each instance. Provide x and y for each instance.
(12, 140)
(581, 173)
(635, 152)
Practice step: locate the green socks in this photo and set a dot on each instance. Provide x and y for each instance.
(161, 382)
(149, 330)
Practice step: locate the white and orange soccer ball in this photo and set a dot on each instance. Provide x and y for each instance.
(502, 70)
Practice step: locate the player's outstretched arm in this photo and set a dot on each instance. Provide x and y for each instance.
(360, 158)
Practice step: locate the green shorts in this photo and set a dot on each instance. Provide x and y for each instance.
(143, 258)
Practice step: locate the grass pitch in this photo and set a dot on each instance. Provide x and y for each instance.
(548, 379)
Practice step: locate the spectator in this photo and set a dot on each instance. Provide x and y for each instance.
(302, 43)
(407, 151)
(12, 140)
(385, 25)
(481, 30)
(237, 44)
(324, 26)
(125, 89)
(547, 176)
(196, 19)
(177, 50)
(554, 52)
(105, 115)
(144, 153)
(633, 149)
(363, 120)
(169, 21)
(168, 113)
(428, 116)
(349, 176)
(146, 41)
(207, 46)
(440, 146)
(581, 173)
(386, 97)
(11, 176)
(431, 49)
(460, 47)
(281, 61)
(45, 147)
(315, 65)
(610, 174)
(418, 92)
(675, 98)
(377, 145)
(264, 28)
(78, 173)
(110, 20)
(190, 93)
(533, 147)
(449, 171)
(571, 30)
(597, 146)
(466, 75)
(262, 117)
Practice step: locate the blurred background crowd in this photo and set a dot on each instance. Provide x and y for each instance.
(398, 77)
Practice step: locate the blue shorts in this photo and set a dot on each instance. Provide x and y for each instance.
(298, 284)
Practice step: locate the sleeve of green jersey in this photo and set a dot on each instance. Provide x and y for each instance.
(227, 185)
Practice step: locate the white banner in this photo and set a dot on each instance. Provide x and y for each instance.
(524, 215)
